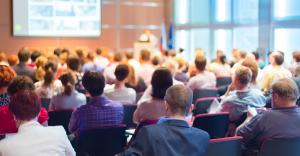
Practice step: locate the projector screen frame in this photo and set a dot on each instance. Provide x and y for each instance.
(53, 36)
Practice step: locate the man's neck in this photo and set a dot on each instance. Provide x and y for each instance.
(177, 116)
(119, 84)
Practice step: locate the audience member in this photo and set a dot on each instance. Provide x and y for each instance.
(99, 112)
(3, 59)
(118, 91)
(90, 64)
(109, 71)
(274, 71)
(25, 106)
(174, 135)
(69, 98)
(295, 61)
(152, 108)
(7, 74)
(12, 60)
(39, 68)
(100, 59)
(252, 65)
(147, 68)
(48, 87)
(220, 67)
(239, 96)
(134, 81)
(203, 79)
(280, 122)
(22, 68)
(34, 55)
(260, 62)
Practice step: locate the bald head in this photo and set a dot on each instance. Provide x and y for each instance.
(179, 99)
(284, 93)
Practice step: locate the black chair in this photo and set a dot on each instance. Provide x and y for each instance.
(203, 93)
(280, 147)
(106, 141)
(202, 104)
(216, 125)
(61, 117)
(230, 146)
(45, 103)
(128, 116)
(223, 81)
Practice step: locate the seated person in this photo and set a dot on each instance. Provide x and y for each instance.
(69, 98)
(241, 96)
(153, 108)
(280, 122)
(203, 79)
(171, 135)
(118, 91)
(7, 122)
(32, 138)
(7, 74)
(99, 112)
(22, 68)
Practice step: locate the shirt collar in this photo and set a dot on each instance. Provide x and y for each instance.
(28, 124)
(173, 122)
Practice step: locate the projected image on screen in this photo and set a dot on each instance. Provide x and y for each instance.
(61, 18)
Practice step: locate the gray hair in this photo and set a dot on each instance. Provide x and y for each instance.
(286, 88)
(179, 99)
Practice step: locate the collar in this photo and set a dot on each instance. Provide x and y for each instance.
(99, 99)
(286, 108)
(173, 122)
(28, 124)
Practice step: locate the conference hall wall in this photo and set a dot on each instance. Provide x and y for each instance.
(122, 23)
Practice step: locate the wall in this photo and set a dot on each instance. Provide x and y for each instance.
(122, 23)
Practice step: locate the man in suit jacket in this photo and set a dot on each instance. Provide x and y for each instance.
(172, 136)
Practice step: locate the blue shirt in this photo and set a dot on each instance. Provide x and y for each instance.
(275, 123)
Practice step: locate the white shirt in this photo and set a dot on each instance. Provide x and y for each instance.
(62, 101)
(202, 80)
(124, 95)
(33, 139)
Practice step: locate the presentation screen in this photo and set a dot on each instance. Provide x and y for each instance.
(57, 18)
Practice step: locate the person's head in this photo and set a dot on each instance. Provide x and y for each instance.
(161, 81)
(243, 54)
(236, 54)
(90, 56)
(252, 65)
(223, 59)
(68, 81)
(50, 70)
(256, 55)
(73, 63)
(284, 93)
(99, 51)
(172, 65)
(25, 105)
(250, 56)
(12, 60)
(296, 56)
(35, 55)
(3, 57)
(63, 56)
(7, 74)
(20, 83)
(276, 58)
(129, 55)
(23, 55)
(242, 77)
(121, 72)
(219, 54)
(156, 60)
(145, 55)
(118, 57)
(200, 63)
(94, 83)
(178, 100)
(132, 76)
(57, 52)
(297, 71)
(41, 61)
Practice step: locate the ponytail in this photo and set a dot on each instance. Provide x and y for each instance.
(68, 89)
(48, 77)
(68, 81)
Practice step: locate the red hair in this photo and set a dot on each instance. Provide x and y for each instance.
(25, 105)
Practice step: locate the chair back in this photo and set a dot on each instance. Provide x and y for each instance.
(202, 105)
(61, 117)
(216, 125)
(128, 116)
(105, 141)
(280, 147)
(223, 81)
(45, 103)
(230, 146)
(203, 93)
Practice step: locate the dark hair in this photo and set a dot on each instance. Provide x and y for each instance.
(48, 77)
(279, 59)
(200, 63)
(285, 88)
(57, 51)
(243, 75)
(256, 54)
(73, 63)
(35, 55)
(20, 83)
(156, 60)
(121, 72)
(98, 51)
(94, 83)
(25, 105)
(68, 81)
(129, 55)
(23, 55)
(145, 55)
(7, 74)
(296, 56)
(51, 65)
(161, 80)
(223, 59)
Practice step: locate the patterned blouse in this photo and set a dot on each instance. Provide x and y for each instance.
(4, 99)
